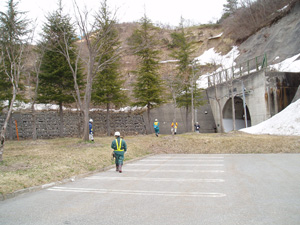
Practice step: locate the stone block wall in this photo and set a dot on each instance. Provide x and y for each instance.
(48, 124)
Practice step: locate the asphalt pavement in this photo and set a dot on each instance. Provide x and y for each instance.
(180, 189)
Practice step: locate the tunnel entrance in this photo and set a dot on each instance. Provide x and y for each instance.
(239, 115)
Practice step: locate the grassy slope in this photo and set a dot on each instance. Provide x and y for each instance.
(30, 163)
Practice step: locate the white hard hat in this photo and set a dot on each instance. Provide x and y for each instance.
(117, 133)
(91, 120)
(155, 120)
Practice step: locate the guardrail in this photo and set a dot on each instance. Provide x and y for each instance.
(252, 65)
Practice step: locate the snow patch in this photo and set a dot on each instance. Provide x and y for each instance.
(212, 57)
(215, 37)
(288, 65)
(287, 122)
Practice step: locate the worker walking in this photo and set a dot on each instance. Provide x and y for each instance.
(174, 126)
(156, 127)
(91, 133)
(197, 127)
(120, 147)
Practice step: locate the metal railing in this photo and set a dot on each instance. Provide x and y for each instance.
(250, 66)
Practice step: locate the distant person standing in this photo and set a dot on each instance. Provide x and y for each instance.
(120, 147)
(197, 127)
(174, 126)
(91, 133)
(156, 127)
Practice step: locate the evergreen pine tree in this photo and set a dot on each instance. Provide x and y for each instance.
(56, 83)
(148, 89)
(183, 50)
(12, 27)
(107, 85)
(231, 6)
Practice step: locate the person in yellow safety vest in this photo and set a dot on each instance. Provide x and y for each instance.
(174, 127)
(120, 147)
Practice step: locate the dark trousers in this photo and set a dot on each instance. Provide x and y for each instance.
(119, 157)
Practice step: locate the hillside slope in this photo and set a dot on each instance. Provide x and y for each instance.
(279, 41)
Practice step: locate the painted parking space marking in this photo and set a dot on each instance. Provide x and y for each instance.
(176, 171)
(179, 160)
(187, 157)
(172, 164)
(154, 179)
(139, 192)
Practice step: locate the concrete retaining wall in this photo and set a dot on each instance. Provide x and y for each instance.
(166, 113)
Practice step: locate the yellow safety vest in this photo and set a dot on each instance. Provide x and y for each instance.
(119, 146)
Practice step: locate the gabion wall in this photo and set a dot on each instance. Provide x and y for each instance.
(48, 124)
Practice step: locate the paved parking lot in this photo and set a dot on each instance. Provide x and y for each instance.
(171, 189)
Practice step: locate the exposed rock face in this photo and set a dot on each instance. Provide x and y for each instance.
(279, 41)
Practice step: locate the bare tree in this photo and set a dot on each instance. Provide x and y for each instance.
(97, 40)
(13, 41)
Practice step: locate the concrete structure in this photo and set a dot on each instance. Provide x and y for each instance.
(265, 94)
(166, 113)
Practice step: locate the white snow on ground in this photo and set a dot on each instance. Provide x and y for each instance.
(282, 8)
(212, 57)
(217, 36)
(287, 122)
(288, 65)
(169, 61)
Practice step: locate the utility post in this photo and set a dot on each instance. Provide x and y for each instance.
(244, 104)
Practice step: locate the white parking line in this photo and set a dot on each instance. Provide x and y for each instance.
(138, 192)
(154, 179)
(175, 171)
(172, 164)
(180, 160)
(176, 157)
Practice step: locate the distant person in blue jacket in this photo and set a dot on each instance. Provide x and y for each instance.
(156, 127)
(91, 133)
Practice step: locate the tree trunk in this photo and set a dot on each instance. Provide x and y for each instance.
(219, 104)
(149, 121)
(193, 110)
(61, 117)
(233, 111)
(86, 123)
(34, 134)
(79, 124)
(107, 119)
(175, 104)
(87, 100)
(3, 130)
(186, 119)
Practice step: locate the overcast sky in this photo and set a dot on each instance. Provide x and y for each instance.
(159, 11)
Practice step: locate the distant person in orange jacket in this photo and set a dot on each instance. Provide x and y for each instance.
(174, 126)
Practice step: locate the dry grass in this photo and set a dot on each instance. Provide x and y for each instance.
(31, 163)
